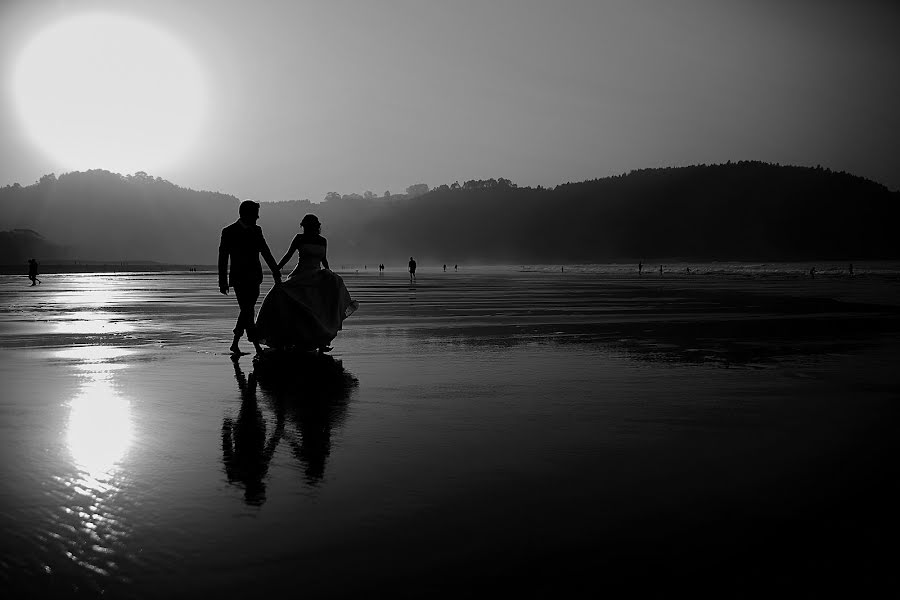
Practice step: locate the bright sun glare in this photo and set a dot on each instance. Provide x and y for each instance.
(109, 92)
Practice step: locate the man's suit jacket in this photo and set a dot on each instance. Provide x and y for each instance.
(243, 245)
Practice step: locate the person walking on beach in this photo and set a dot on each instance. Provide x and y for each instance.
(640, 267)
(307, 310)
(412, 269)
(33, 271)
(242, 242)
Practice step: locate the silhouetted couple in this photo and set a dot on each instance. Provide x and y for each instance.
(306, 311)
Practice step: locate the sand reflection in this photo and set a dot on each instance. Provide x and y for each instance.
(99, 430)
(91, 322)
(305, 397)
(99, 433)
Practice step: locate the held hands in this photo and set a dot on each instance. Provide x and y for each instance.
(223, 289)
(276, 275)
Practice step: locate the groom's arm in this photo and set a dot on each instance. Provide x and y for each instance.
(267, 256)
(223, 264)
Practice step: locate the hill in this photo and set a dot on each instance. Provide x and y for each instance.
(744, 210)
(18, 245)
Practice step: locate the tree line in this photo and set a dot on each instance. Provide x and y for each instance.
(738, 210)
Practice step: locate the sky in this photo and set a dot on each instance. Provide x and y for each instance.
(282, 100)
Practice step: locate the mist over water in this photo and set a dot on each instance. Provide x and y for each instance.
(492, 426)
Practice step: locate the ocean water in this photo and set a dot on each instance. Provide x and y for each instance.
(498, 428)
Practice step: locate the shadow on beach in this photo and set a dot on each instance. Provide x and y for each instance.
(308, 394)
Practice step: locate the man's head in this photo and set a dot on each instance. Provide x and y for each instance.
(249, 211)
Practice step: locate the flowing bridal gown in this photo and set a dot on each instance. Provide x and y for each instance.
(306, 310)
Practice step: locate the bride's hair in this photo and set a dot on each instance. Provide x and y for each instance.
(310, 224)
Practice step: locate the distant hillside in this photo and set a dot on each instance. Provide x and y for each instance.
(104, 216)
(18, 245)
(746, 210)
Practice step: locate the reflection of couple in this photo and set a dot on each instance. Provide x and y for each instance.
(304, 312)
(314, 408)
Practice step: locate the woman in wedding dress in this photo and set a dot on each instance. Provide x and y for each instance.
(306, 310)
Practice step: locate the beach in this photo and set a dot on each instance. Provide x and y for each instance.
(519, 429)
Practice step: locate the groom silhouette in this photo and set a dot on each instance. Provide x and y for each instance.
(242, 242)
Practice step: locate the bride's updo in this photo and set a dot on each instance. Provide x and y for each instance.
(310, 224)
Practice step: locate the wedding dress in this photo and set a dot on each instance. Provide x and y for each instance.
(306, 310)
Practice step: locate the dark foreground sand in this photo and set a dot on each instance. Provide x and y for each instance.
(540, 433)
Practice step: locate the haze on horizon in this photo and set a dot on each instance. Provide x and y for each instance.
(306, 98)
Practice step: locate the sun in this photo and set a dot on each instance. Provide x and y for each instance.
(110, 92)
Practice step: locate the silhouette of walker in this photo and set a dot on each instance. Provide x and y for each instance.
(412, 269)
(242, 242)
(33, 271)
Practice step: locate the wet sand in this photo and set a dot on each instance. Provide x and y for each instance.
(538, 433)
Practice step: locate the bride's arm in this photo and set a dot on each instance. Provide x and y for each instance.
(287, 255)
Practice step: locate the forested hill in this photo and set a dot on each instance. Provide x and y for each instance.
(746, 210)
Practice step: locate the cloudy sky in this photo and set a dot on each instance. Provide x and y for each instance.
(278, 100)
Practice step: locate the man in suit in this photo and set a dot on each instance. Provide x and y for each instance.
(242, 242)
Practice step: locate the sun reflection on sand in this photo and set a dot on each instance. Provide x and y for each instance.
(99, 433)
(99, 430)
(93, 354)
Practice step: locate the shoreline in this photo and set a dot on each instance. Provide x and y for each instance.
(103, 267)
(671, 268)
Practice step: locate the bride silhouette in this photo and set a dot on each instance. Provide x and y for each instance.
(306, 311)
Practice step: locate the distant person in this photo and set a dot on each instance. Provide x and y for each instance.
(562, 269)
(308, 309)
(412, 269)
(242, 242)
(812, 273)
(851, 269)
(456, 267)
(33, 271)
(660, 269)
(445, 268)
(640, 268)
